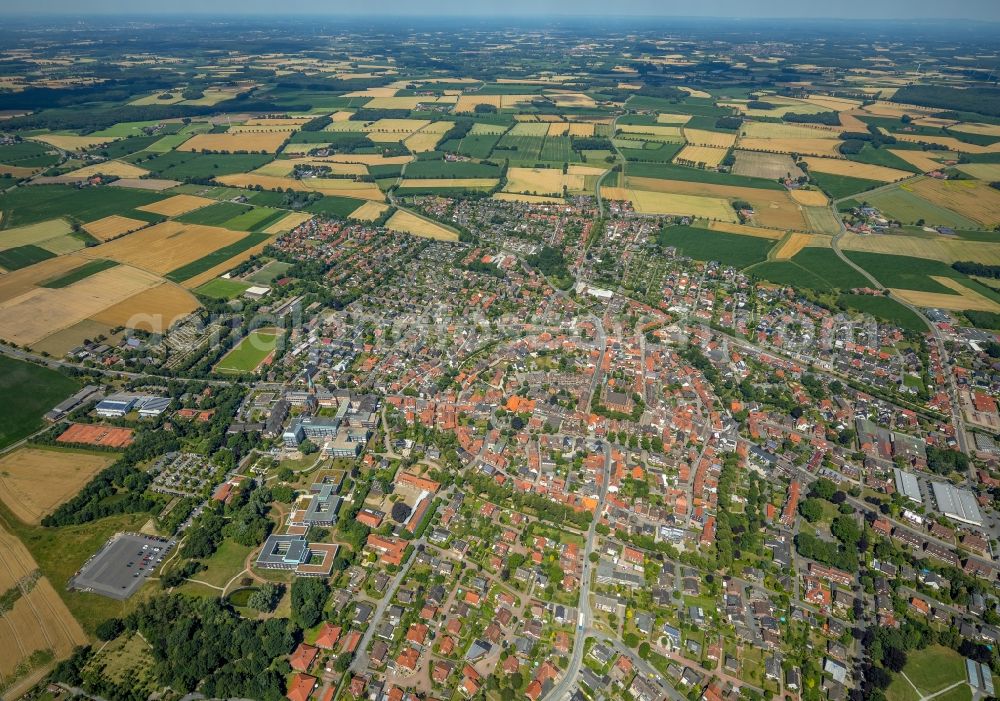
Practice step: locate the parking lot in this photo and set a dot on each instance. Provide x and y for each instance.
(121, 565)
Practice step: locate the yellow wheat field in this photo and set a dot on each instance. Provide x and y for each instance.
(267, 142)
(73, 143)
(33, 481)
(668, 118)
(976, 128)
(166, 246)
(532, 199)
(409, 223)
(852, 169)
(422, 141)
(702, 137)
(924, 160)
(327, 186)
(113, 226)
(288, 222)
(983, 171)
(807, 147)
(570, 99)
(369, 211)
(116, 168)
(964, 299)
(950, 143)
(746, 230)
(155, 309)
(475, 183)
(790, 245)
(668, 131)
(41, 311)
(705, 155)
(542, 181)
(177, 205)
(648, 202)
(941, 248)
(775, 130)
(972, 198)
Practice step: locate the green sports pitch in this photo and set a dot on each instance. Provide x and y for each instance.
(250, 353)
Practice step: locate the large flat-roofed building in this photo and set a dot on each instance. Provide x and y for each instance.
(957, 504)
(906, 484)
(116, 406)
(293, 552)
(321, 509)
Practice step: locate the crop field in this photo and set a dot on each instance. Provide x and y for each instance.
(906, 272)
(808, 147)
(975, 200)
(30, 205)
(840, 186)
(117, 168)
(34, 234)
(746, 230)
(950, 143)
(904, 204)
(266, 142)
(812, 267)
(775, 130)
(73, 143)
(191, 273)
(23, 256)
(338, 206)
(181, 165)
(40, 312)
(177, 205)
(677, 204)
(167, 246)
(409, 223)
(155, 309)
(668, 118)
(518, 197)
(728, 249)
(945, 249)
(884, 308)
(765, 165)
(38, 620)
(853, 169)
(715, 139)
(80, 273)
(821, 220)
(810, 198)
(463, 183)
(963, 297)
(326, 186)
(983, 171)
(33, 481)
(288, 222)
(250, 353)
(113, 226)
(791, 245)
(216, 214)
(707, 156)
(672, 133)
(38, 389)
(544, 181)
(925, 161)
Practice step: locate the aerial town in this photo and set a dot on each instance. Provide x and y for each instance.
(620, 366)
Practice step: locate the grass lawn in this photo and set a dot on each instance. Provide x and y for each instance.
(934, 668)
(250, 352)
(36, 389)
(222, 289)
(227, 561)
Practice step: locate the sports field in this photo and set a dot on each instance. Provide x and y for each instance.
(221, 288)
(250, 353)
(33, 481)
(931, 671)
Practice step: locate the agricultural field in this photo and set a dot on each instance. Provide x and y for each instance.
(729, 249)
(250, 142)
(409, 223)
(164, 247)
(33, 481)
(765, 165)
(38, 388)
(905, 204)
(852, 169)
(250, 353)
(113, 226)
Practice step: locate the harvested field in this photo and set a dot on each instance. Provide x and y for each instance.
(154, 184)
(422, 141)
(96, 434)
(746, 230)
(821, 220)
(34, 234)
(580, 129)
(649, 202)
(924, 160)
(701, 155)
(369, 211)
(542, 181)
(177, 205)
(60, 343)
(116, 168)
(519, 197)
(230, 143)
(558, 129)
(167, 246)
(964, 299)
(945, 249)
(39, 620)
(672, 132)
(850, 122)
(716, 139)
(154, 310)
(790, 245)
(113, 226)
(409, 223)
(976, 128)
(810, 198)
(35, 481)
(73, 143)
(571, 99)
(20, 281)
(770, 166)
(972, 198)
(852, 169)
(39, 312)
(808, 147)
(288, 222)
(327, 186)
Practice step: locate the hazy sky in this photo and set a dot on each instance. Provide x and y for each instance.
(883, 9)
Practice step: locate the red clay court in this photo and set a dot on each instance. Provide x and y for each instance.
(95, 434)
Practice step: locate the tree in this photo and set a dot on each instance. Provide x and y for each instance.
(400, 512)
(109, 629)
(811, 510)
(265, 597)
(308, 598)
